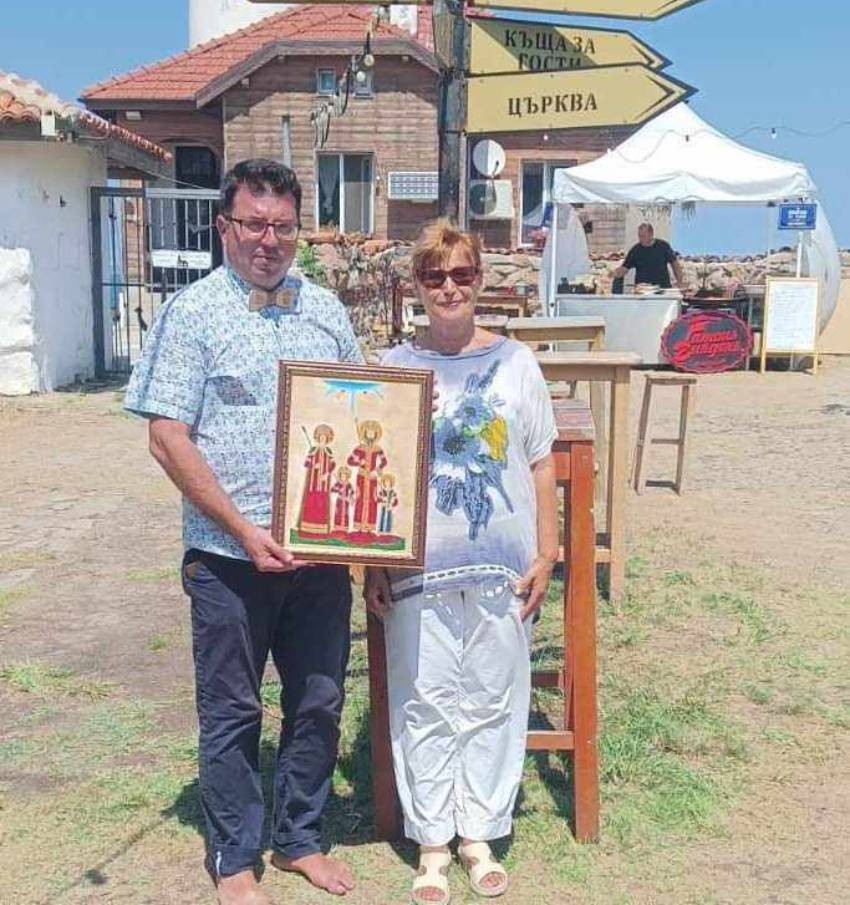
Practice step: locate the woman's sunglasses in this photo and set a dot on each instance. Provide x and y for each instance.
(433, 277)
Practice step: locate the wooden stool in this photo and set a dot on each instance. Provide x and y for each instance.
(687, 383)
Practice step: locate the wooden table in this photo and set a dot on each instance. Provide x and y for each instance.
(578, 328)
(502, 303)
(496, 323)
(559, 329)
(614, 368)
(576, 678)
(489, 303)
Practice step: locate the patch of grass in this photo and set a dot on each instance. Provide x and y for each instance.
(10, 596)
(677, 577)
(24, 559)
(17, 750)
(758, 693)
(157, 643)
(800, 662)
(145, 575)
(656, 772)
(45, 681)
(781, 737)
(759, 625)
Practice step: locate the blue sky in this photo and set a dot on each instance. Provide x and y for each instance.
(773, 63)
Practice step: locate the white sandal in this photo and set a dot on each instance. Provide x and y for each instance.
(478, 860)
(433, 874)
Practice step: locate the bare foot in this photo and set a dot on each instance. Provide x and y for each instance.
(240, 889)
(322, 871)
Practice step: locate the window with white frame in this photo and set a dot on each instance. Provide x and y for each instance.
(537, 176)
(326, 82)
(344, 192)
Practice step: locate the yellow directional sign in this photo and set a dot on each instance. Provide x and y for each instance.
(504, 45)
(606, 96)
(610, 9)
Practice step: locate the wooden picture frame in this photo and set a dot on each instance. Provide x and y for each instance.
(351, 463)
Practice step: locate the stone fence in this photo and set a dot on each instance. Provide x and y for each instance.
(507, 270)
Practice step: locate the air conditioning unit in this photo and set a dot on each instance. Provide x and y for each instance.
(405, 186)
(491, 199)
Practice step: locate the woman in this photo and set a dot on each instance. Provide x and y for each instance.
(457, 634)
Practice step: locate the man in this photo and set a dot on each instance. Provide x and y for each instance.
(649, 259)
(207, 382)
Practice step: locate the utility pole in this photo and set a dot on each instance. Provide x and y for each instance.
(450, 44)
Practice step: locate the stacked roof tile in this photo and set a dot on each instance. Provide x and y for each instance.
(26, 101)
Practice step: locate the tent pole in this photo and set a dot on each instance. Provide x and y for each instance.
(553, 260)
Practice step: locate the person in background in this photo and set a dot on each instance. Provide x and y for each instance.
(649, 258)
(457, 634)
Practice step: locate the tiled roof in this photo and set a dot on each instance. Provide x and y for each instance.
(185, 76)
(25, 101)
(22, 100)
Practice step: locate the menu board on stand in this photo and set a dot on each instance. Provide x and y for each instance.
(790, 319)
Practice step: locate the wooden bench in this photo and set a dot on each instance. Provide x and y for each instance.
(576, 678)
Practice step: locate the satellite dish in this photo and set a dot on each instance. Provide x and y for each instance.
(489, 158)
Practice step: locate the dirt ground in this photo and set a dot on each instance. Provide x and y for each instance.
(89, 547)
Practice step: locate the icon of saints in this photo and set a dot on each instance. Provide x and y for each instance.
(387, 501)
(369, 460)
(315, 515)
(343, 494)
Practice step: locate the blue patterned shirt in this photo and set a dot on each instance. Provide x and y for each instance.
(213, 364)
(494, 422)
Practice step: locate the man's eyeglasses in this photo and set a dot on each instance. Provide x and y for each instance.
(256, 229)
(434, 277)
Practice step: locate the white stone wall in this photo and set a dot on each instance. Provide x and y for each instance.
(19, 369)
(45, 266)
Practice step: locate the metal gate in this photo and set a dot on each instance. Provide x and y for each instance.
(146, 244)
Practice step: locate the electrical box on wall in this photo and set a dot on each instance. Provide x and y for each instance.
(491, 199)
(405, 186)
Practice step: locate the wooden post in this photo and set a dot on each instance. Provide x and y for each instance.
(387, 824)
(450, 38)
(580, 629)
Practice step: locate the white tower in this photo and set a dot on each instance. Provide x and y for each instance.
(211, 18)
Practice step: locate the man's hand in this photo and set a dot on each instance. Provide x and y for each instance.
(266, 553)
(377, 593)
(533, 585)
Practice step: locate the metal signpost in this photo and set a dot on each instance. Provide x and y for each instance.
(512, 76)
(801, 217)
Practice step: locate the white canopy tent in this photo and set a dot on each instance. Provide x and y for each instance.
(678, 157)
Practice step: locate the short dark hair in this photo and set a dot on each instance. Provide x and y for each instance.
(260, 175)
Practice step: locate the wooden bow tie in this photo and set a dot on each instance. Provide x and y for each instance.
(262, 298)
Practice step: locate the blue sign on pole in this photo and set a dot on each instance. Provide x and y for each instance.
(797, 216)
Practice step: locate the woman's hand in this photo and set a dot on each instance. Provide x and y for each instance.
(376, 592)
(534, 584)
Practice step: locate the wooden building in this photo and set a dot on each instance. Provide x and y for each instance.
(251, 93)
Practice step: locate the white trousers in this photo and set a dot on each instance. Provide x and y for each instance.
(459, 682)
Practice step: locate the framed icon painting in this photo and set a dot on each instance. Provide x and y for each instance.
(351, 463)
